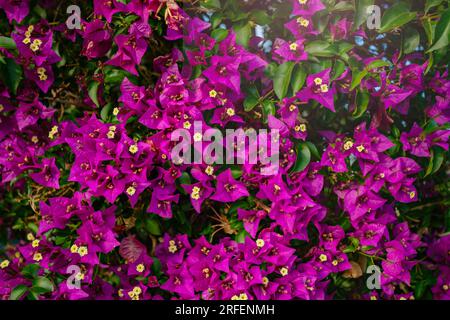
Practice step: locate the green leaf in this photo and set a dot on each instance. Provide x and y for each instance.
(436, 161)
(11, 74)
(314, 152)
(268, 108)
(338, 69)
(395, 17)
(282, 79)
(343, 6)
(357, 75)
(42, 285)
(219, 34)
(18, 292)
(7, 43)
(210, 4)
(298, 78)
(243, 33)
(431, 3)
(152, 226)
(250, 102)
(93, 91)
(361, 12)
(30, 271)
(442, 32)
(216, 19)
(303, 157)
(260, 17)
(105, 112)
(411, 40)
(320, 48)
(361, 102)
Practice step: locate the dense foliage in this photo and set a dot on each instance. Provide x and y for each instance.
(92, 207)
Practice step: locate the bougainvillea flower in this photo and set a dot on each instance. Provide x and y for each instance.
(97, 39)
(318, 87)
(360, 201)
(48, 176)
(15, 10)
(224, 70)
(228, 189)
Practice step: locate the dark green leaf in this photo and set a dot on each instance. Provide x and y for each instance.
(7, 43)
(18, 292)
(436, 161)
(361, 103)
(298, 78)
(442, 32)
(282, 79)
(303, 157)
(30, 271)
(395, 17)
(411, 40)
(431, 3)
(219, 34)
(243, 34)
(320, 48)
(42, 285)
(361, 12)
(93, 91)
(11, 74)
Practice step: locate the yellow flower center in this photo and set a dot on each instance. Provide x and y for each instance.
(131, 191)
(213, 93)
(35, 243)
(52, 132)
(195, 194)
(133, 149)
(110, 134)
(209, 170)
(198, 137)
(30, 237)
(230, 112)
(74, 248)
(82, 251)
(293, 46)
(26, 40)
(318, 81)
(37, 256)
(360, 148)
(324, 88)
(137, 290)
(323, 257)
(115, 111)
(79, 276)
(140, 267)
(284, 271)
(303, 22)
(412, 194)
(260, 243)
(4, 264)
(348, 145)
(292, 107)
(173, 248)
